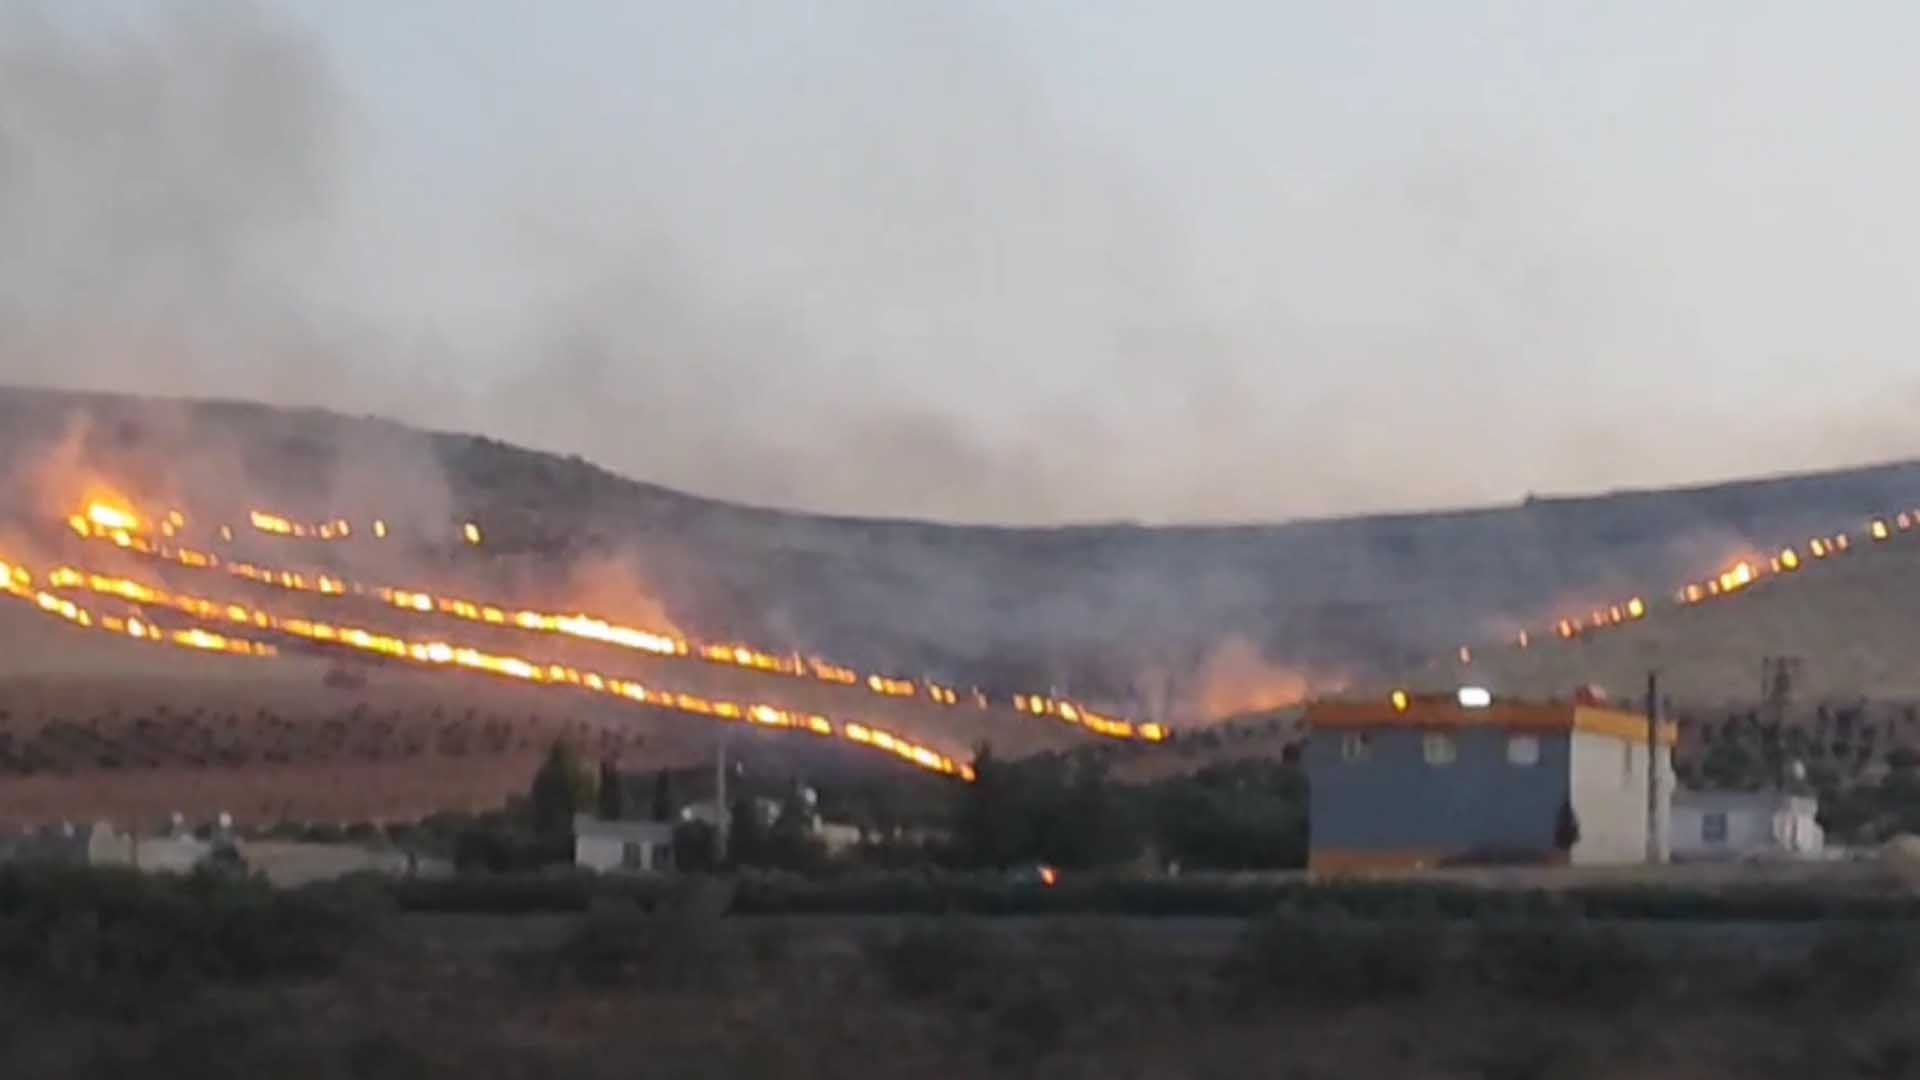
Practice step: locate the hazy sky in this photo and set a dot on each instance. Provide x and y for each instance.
(1013, 261)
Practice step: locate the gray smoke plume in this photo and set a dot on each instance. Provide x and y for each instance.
(959, 262)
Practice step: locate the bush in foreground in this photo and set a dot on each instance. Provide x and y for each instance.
(1333, 960)
(618, 945)
(1568, 962)
(96, 933)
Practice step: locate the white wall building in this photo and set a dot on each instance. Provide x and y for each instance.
(175, 854)
(1745, 825)
(631, 847)
(1607, 784)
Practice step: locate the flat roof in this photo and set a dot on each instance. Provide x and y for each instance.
(1450, 715)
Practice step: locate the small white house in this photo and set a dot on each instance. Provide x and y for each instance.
(177, 853)
(1711, 825)
(631, 847)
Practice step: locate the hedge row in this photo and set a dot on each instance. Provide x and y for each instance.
(925, 894)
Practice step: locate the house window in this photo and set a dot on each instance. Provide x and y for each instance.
(1523, 749)
(1626, 764)
(1713, 828)
(632, 857)
(1439, 749)
(1356, 746)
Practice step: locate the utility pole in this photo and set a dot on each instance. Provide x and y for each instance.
(1654, 852)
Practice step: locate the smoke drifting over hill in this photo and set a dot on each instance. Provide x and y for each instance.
(983, 263)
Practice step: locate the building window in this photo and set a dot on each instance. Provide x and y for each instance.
(1356, 746)
(1713, 828)
(1439, 748)
(1626, 765)
(632, 857)
(1523, 749)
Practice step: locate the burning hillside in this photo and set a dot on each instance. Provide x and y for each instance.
(334, 522)
(379, 621)
(1837, 602)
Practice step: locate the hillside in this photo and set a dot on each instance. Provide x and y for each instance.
(1127, 616)
(1853, 621)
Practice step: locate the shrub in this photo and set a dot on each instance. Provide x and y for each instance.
(521, 894)
(1333, 960)
(930, 958)
(617, 944)
(1565, 961)
(110, 935)
(1854, 966)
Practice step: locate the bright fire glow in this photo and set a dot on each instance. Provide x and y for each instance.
(108, 516)
(594, 628)
(436, 654)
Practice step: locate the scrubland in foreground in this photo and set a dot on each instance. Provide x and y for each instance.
(112, 975)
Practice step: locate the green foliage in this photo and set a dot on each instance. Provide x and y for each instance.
(662, 796)
(1058, 809)
(104, 934)
(612, 797)
(790, 843)
(523, 894)
(746, 834)
(500, 848)
(1730, 764)
(1248, 815)
(621, 945)
(561, 788)
(1870, 812)
(694, 847)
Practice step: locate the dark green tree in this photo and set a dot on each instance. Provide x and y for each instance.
(693, 847)
(613, 793)
(662, 796)
(561, 788)
(1242, 815)
(746, 835)
(1089, 824)
(995, 823)
(1731, 764)
(790, 843)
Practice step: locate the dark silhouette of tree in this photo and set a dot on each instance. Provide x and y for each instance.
(1242, 815)
(790, 843)
(693, 847)
(1730, 764)
(994, 825)
(613, 793)
(561, 788)
(746, 835)
(662, 796)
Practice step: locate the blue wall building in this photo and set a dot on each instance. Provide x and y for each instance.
(1431, 782)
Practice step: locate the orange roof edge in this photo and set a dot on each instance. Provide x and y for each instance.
(1503, 715)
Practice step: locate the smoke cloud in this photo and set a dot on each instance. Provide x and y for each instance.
(992, 263)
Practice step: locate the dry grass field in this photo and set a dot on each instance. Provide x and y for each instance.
(96, 727)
